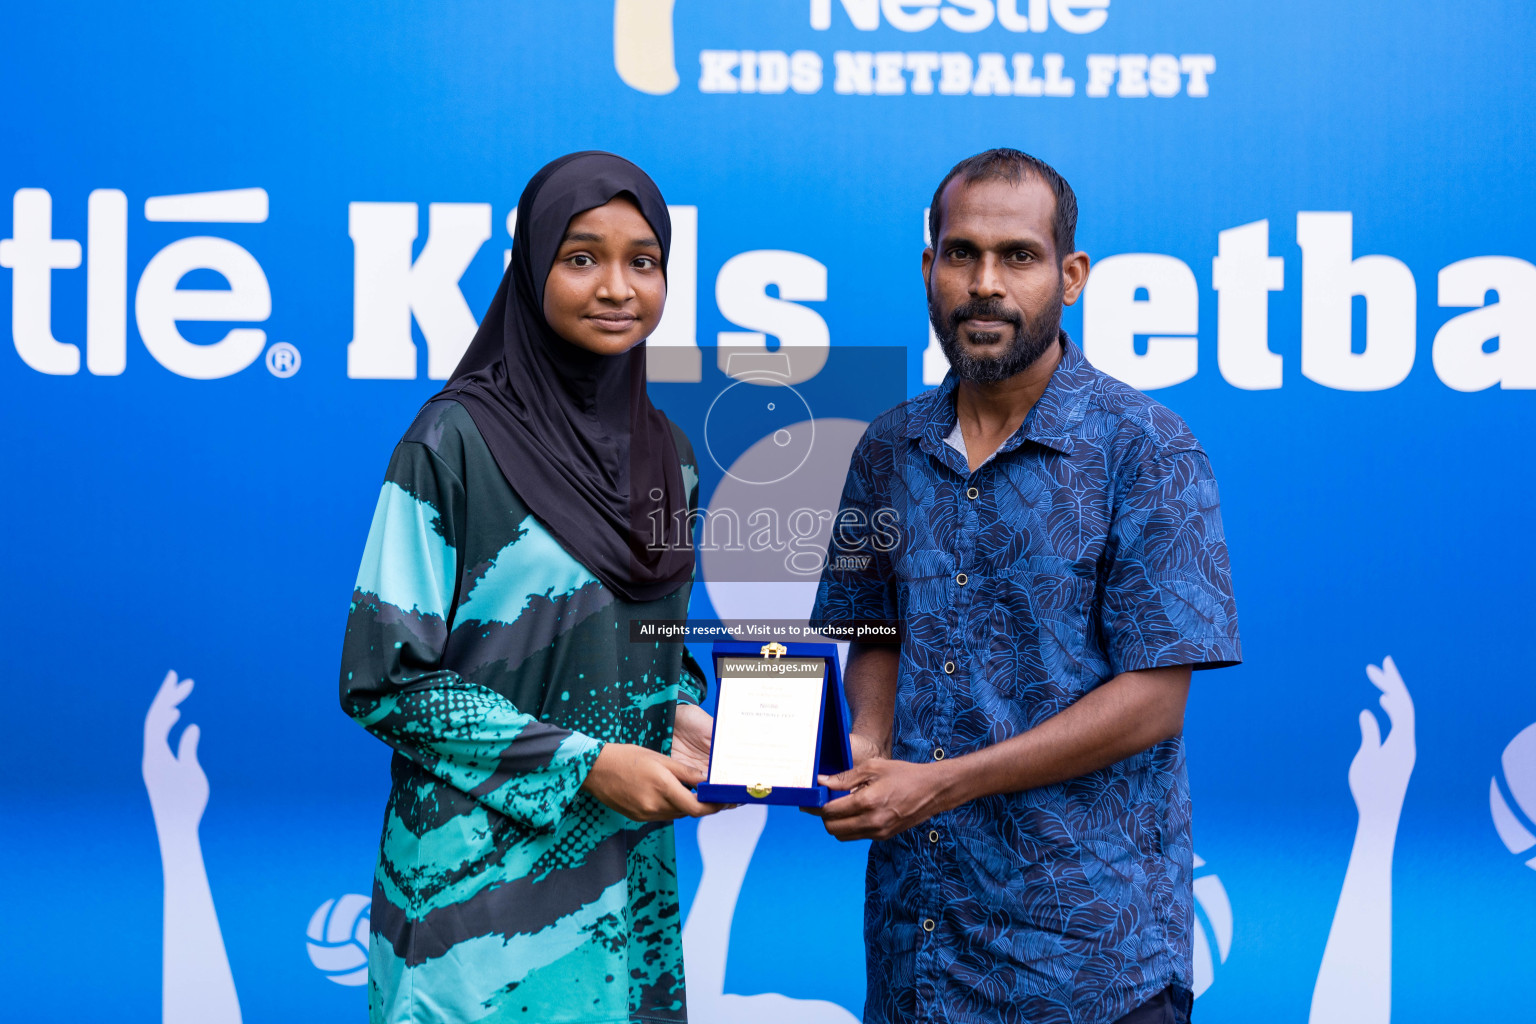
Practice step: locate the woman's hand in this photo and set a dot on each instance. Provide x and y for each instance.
(644, 785)
(691, 731)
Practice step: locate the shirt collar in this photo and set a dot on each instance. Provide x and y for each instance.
(1052, 422)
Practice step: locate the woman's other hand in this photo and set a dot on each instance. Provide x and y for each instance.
(644, 785)
(691, 732)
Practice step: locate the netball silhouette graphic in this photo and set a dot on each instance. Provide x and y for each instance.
(1213, 926)
(1512, 796)
(338, 939)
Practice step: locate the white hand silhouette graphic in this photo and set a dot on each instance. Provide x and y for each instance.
(1354, 985)
(197, 986)
(178, 789)
(1378, 776)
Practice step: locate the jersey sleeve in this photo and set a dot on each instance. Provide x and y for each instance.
(393, 682)
(692, 683)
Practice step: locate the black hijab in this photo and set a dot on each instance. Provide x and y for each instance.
(574, 432)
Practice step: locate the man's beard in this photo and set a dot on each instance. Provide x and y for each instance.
(1030, 341)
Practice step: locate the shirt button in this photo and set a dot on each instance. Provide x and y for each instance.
(927, 924)
(960, 578)
(933, 835)
(972, 493)
(949, 668)
(938, 753)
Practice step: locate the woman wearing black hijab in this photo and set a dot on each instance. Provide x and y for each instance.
(527, 869)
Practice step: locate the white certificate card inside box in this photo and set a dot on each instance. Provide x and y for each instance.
(767, 721)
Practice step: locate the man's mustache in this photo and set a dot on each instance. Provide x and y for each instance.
(985, 309)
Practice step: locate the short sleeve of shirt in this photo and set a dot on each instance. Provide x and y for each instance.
(857, 583)
(1168, 590)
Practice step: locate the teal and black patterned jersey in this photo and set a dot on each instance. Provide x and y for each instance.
(496, 666)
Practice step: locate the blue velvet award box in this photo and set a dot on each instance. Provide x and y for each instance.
(780, 721)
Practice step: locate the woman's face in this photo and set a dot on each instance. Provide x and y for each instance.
(605, 290)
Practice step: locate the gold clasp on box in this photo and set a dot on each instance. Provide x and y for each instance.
(759, 791)
(774, 650)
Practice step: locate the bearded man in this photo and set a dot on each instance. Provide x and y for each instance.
(1019, 758)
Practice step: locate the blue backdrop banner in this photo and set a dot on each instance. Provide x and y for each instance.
(241, 244)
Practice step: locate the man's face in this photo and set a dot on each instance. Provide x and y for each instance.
(995, 283)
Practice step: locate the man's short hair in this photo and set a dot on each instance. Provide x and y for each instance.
(1013, 166)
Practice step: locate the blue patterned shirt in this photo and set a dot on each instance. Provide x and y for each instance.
(1090, 545)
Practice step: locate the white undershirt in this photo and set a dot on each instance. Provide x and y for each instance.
(956, 440)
